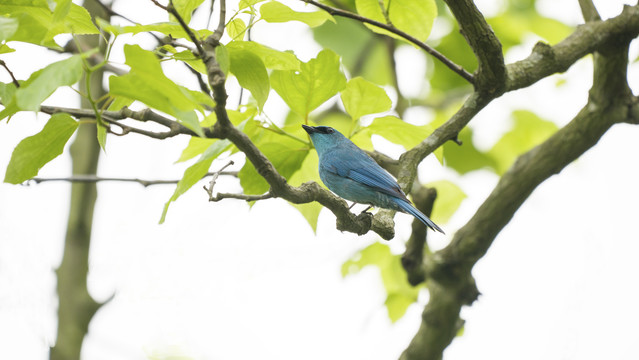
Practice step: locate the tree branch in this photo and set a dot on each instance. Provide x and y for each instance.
(390, 28)
(546, 60)
(490, 76)
(451, 284)
(13, 78)
(93, 179)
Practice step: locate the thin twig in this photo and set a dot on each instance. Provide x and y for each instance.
(13, 78)
(439, 56)
(222, 196)
(214, 176)
(95, 179)
(171, 9)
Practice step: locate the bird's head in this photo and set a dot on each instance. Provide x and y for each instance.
(324, 137)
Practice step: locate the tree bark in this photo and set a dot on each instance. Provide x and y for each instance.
(76, 307)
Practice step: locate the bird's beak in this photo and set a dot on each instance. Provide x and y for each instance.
(309, 129)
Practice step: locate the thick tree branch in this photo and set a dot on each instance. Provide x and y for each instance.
(490, 76)
(546, 60)
(390, 28)
(450, 281)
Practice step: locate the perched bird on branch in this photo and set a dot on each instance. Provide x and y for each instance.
(350, 173)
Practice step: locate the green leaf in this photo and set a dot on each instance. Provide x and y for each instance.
(397, 304)
(41, 84)
(172, 29)
(286, 153)
(35, 151)
(308, 171)
(511, 27)
(395, 130)
(362, 97)
(528, 131)
(465, 157)
(186, 7)
(7, 91)
(38, 24)
(44, 82)
(196, 146)
(147, 83)
(251, 73)
(413, 17)
(8, 27)
(273, 59)
(400, 294)
(360, 53)
(249, 3)
(222, 57)
(243, 4)
(101, 136)
(61, 10)
(276, 12)
(317, 81)
(196, 172)
(449, 197)
(5, 49)
(236, 28)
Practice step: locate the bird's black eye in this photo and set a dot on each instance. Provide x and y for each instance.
(330, 131)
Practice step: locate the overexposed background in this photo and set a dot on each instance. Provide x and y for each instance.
(220, 281)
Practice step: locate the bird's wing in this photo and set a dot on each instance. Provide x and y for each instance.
(362, 168)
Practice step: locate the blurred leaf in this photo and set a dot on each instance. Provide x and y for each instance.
(35, 151)
(317, 81)
(442, 80)
(236, 28)
(512, 27)
(186, 7)
(172, 29)
(41, 84)
(196, 172)
(412, 17)
(251, 73)
(5, 49)
(8, 27)
(222, 57)
(449, 197)
(61, 10)
(196, 146)
(248, 3)
(147, 83)
(362, 97)
(286, 155)
(39, 25)
(6, 92)
(308, 172)
(528, 131)
(397, 304)
(273, 59)
(276, 12)
(395, 130)
(362, 54)
(400, 294)
(464, 158)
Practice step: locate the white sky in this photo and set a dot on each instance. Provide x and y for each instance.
(218, 281)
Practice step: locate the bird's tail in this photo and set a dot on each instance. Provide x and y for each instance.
(409, 208)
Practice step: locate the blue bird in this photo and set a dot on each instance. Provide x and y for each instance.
(350, 173)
